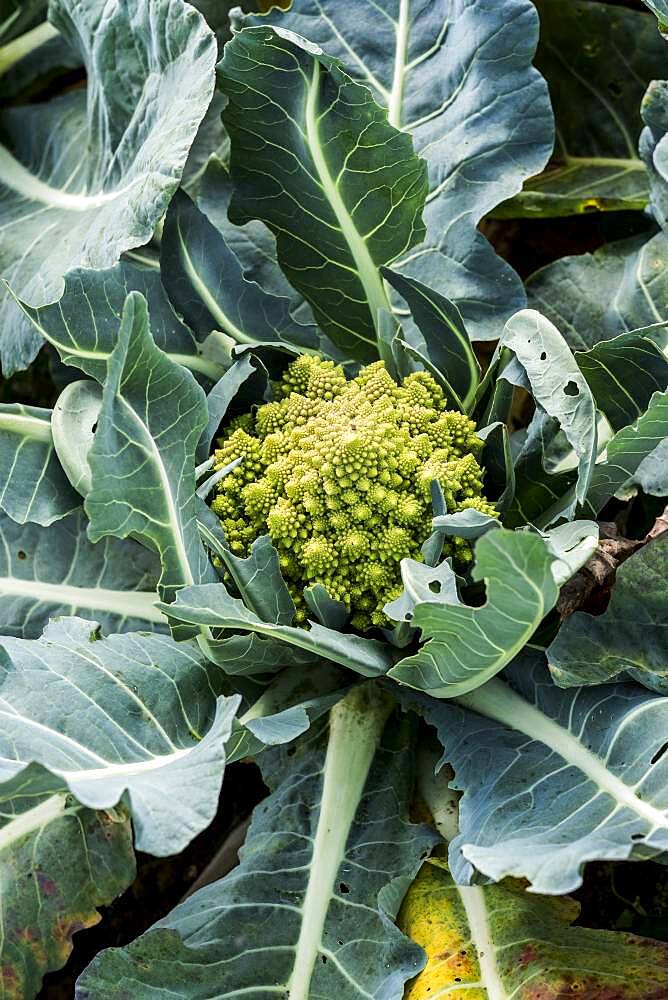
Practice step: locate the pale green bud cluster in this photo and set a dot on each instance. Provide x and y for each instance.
(339, 474)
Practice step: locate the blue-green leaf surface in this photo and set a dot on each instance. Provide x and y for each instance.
(457, 76)
(253, 244)
(83, 324)
(630, 638)
(328, 858)
(559, 389)
(47, 572)
(143, 457)
(444, 340)
(133, 713)
(89, 174)
(34, 486)
(206, 284)
(622, 374)
(654, 146)
(213, 606)
(552, 779)
(464, 646)
(306, 140)
(597, 60)
(596, 296)
(626, 451)
(45, 901)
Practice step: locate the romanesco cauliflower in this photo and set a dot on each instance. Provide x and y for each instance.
(339, 474)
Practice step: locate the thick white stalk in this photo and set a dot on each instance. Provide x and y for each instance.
(356, 726)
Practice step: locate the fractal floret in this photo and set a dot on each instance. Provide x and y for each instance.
(339, 474)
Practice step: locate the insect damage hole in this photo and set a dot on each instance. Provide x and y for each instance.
(571, 388)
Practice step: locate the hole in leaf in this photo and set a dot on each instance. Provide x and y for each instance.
(94, 427)
(323, 959)
(571, 389)
(21, 554)
(659, 754)
(435, 586)
(344, 888)
(637, 836)
(543, 355)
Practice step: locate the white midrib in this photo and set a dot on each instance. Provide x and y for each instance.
(473, 898)
(354, 734)
(496, 700)
(125, 603)
(195, 362)
(34, 819)
(15, 176)
(15, 50)
(172, 512)
(26, 426)
(108, 770)
(395, 104)
(207, 298)
(366, 269)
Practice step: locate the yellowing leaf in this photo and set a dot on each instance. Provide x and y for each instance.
(499, 942)
(433, 915)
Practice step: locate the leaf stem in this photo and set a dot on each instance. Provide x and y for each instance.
(355, 730)
(14, 51)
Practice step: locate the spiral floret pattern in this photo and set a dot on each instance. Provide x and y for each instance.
(339, 474)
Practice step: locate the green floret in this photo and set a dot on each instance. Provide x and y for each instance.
(339, 474)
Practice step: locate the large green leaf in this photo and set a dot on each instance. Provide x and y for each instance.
(458, 77)
(559, 389)
(654, 146)
(206, 283)
(89, 174)
(652, 473)
(594, 297)
(630, 638)
(499, 941)
(133, 713)
(44, 901)
(465, 646)
(143, 457)
(597, 60)
(625, 453)
(83, 325)
(34, 486)
(622, 374)
(552, 779)
(305, 171)
(537, 487)
(46, 572)
(443, 340)
(212, 605)
(253, 244)
(327, 860)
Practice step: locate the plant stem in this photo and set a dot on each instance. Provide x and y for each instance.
(355, 729)
(14, 51)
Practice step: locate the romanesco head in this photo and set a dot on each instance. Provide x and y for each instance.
(339, 474)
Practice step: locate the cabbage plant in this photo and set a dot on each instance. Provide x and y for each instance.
(321, 489)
